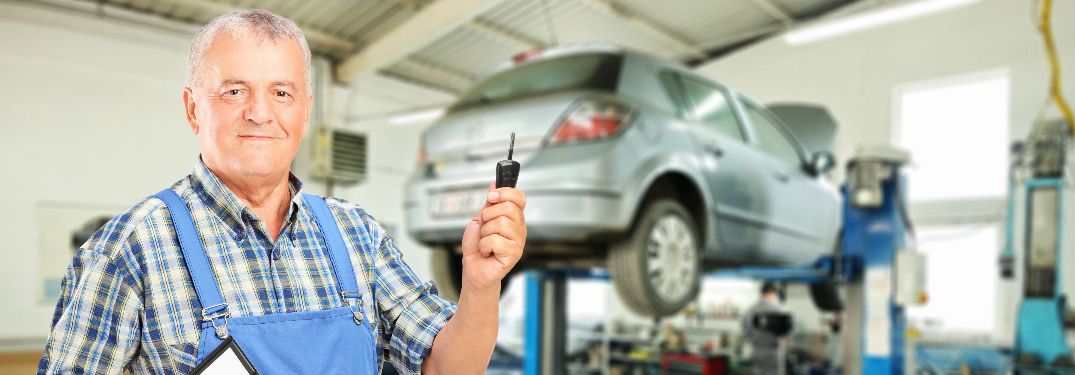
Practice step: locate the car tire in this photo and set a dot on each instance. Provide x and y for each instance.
(447, 267)
(827, 297)
(665, 241)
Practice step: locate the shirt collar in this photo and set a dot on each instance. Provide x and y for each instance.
(221, 200)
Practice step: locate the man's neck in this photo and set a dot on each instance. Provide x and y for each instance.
(268, 197)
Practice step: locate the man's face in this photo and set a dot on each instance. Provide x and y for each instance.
(249, 106)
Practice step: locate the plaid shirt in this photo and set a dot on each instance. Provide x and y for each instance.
(127, 300)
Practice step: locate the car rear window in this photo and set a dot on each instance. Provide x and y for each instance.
(572, 72)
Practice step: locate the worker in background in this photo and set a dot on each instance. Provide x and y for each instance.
(765, 340)
(238, 252)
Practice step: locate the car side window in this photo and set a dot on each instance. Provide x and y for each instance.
(770, 138)
(712, 108)
(671, 86)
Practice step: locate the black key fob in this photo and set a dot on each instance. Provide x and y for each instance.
(507, 171)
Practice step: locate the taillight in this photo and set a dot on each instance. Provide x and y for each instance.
(422, 154)
(522, 57)
(593, 119)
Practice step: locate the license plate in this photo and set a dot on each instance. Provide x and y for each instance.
(456, 204)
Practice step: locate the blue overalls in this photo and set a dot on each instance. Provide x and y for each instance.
(334, 341)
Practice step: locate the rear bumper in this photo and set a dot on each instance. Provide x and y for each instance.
(562, 214)
(573, 195)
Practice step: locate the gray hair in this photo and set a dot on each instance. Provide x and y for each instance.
(256, 23)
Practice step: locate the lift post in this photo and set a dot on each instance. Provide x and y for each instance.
(545, 328)
(1040, 342)
(876, 229)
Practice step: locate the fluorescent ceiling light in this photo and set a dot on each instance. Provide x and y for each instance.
(871, 18)
(418, 116)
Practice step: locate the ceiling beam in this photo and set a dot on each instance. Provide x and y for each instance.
(645, 25)
(423, 83)
(430, 23)
(456, 77)
(774, 9)
(505, 34)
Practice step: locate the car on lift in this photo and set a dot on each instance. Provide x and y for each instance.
(629, 162)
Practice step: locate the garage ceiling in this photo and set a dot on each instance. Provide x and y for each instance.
(442, 45)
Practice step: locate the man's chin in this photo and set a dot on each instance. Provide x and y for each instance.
(258, 169)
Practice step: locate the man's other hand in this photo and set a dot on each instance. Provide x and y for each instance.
(494, 239)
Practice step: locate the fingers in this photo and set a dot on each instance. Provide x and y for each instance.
(500, 247)
(503, 209)
(504, 227)
(506, 194)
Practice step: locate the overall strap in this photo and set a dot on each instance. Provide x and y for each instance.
(337, 250)
(190, 243)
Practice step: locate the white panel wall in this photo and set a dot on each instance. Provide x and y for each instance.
(855, 75)
(91, 117)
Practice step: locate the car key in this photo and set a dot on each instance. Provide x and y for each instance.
(507, 171)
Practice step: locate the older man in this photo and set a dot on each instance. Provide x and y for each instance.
(237, 253)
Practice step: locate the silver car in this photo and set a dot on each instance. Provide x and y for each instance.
(629, 162)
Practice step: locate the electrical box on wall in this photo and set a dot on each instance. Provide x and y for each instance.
(910, 278)
(340, 155)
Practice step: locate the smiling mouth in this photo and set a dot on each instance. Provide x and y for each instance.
(257, 137)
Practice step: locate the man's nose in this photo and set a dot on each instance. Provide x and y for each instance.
(258, 110)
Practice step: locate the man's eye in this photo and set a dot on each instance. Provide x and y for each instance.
(234, 92)
(282, 94)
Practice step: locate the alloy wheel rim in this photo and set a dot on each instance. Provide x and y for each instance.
(671, 257)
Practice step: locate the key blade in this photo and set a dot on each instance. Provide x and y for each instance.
(511, 147)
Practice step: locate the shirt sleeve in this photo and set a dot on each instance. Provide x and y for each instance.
(411, 311)
(95, 329)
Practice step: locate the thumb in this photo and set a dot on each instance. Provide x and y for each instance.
(471, 235)
(492, 187)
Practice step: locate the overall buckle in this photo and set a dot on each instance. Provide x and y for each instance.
(356, 311)
(212, 313)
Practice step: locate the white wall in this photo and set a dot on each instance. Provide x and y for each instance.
(91, 118)
(92, 121)
(855, 75)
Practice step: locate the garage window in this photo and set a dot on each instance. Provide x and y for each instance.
(961, 273)
(957, 131)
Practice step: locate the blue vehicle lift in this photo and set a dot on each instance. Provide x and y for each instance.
(875, 231)
(1040, 342)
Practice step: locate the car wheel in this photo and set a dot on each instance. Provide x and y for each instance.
(827, 296)
(447, 267)
(448, 273)
(656, 268)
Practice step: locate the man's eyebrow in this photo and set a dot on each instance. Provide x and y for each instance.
(232, 81)
(288, 84)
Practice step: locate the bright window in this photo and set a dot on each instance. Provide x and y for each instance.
(957, 131)
(961, 274)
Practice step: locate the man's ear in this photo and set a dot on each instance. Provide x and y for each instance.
(190, 106)
(309, 110)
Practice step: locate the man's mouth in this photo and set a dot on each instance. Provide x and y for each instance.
(257, 137)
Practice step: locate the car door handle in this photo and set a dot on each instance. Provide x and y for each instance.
(782, 177)
(715, 150)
